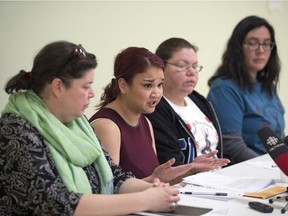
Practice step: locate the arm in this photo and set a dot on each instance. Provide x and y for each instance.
(165, 172)
(27, 163)
(129, 198)
(156, 198)
(202, 163)
(171, 174)
(230, 108)
(104, 128)
(237, 148)
(152, 135)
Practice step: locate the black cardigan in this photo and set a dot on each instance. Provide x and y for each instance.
(169, 128)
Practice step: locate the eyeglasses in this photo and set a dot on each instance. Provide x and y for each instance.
(183, 66)
(79, 52)
(255, 45)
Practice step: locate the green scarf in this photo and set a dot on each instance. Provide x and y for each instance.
(73, 146)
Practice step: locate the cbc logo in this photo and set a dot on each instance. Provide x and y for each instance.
(272, 140)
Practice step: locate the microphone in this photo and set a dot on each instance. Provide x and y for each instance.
(276, 147)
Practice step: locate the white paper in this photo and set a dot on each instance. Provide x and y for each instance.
(229, 183)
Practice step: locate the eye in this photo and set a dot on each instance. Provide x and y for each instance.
(253, 43)
(160, 85)
(195, 66)
(181, 65)
(148, 85)
(266, 45)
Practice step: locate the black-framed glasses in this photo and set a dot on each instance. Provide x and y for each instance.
(79, 52)
(183, 66)
(255, 45)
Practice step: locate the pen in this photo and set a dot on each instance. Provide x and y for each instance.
(205, 193)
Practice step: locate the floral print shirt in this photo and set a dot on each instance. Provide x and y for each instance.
(29, 181)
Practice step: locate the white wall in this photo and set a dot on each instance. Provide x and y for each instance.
(106, 27)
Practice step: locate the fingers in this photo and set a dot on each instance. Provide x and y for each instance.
(156, 182)
(173, 205)
(181, 169)
(212, 153)
(175, 201)
(222, 162)
(169, 163)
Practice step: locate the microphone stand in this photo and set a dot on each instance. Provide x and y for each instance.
(285, 197)
(269, 138)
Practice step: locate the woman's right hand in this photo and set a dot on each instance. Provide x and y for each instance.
(161, 197)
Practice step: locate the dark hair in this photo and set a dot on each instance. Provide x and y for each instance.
(60, 59)
(233, 65)
(168, 47)
(128, 63)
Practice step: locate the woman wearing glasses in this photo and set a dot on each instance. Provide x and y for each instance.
(51, 162)
(184, 124)
(244, 89)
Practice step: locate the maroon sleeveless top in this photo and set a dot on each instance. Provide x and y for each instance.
(136, 152)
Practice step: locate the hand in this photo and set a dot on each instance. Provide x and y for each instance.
(157, 183)
(161, 197)
(166, 173)
(209, 162)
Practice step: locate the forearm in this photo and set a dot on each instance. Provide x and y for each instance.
(134, 185)
(99, 204)
(148, 179)
(157, 198)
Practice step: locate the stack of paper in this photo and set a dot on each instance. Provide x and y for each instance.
(237, 185)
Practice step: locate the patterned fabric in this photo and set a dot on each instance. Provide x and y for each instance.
(29, 181)
(73, 145)
(205, 134)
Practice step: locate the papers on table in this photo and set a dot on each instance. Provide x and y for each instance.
(232, 185)
(264, 164)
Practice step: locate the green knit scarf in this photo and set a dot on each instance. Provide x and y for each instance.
(73, 146)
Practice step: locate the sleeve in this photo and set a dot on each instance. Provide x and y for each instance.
(165, 132)
(229, 107)
(30, 184)
(236, 149)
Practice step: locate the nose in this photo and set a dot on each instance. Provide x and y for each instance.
(156, 93)
(260, 48)
(191, 70)
(91, 94)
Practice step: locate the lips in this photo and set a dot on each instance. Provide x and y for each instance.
(190, 82)
(153, 103)
(86, 106)
(259, 60)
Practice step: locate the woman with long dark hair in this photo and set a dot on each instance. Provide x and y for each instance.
(243, 89)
